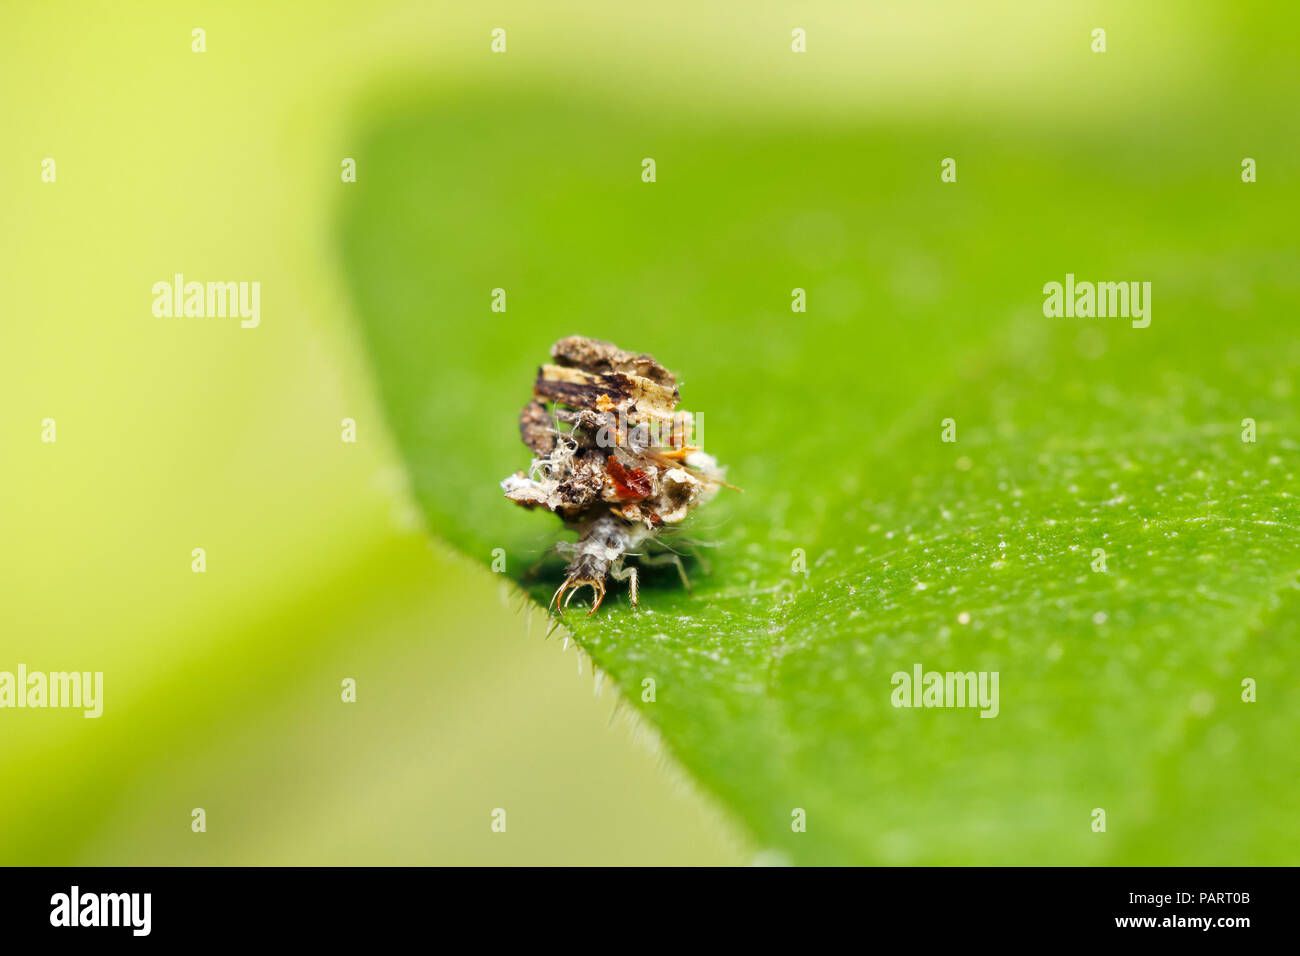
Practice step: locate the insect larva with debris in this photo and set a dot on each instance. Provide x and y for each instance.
(611, 457)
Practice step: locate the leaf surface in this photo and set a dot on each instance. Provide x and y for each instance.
(1118, 689)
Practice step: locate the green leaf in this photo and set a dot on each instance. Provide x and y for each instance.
(1118, 689)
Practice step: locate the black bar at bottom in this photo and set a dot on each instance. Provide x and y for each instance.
(1174, 906)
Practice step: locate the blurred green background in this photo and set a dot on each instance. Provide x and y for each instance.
(222, 688)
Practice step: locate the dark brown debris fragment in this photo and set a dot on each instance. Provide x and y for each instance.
(581, 394)
(537, 429)
(593, 355)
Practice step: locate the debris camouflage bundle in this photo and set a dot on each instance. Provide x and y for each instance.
(611, 458)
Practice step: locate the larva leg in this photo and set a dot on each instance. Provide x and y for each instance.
(668, 557)
(628, 573)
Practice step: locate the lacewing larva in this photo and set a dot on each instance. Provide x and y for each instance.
(612, 457)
